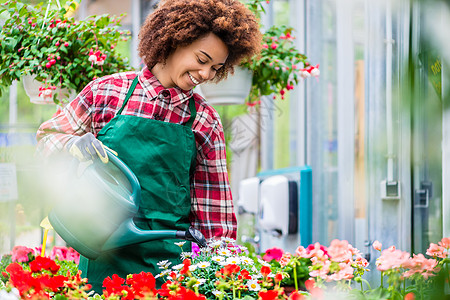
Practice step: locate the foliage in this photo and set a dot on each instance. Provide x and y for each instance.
(60, 51)
(296, 267)
(279, 66)
(224, 270)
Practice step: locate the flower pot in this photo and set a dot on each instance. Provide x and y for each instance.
(232, 90)
(37, 96)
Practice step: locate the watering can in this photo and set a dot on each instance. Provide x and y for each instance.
(95, 214)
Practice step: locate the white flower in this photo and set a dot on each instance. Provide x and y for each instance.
(216, 293)
(243, 248)
(305, 74)
(206, 250)
(246, 260)
(192, 267)
(178, 267)
(224, 252)
(199, 282)
(93, 58)
(163, 273)
(185, 255)
(253, 285)
(180, 244)
(263, 262)
(315, 72)
(203, 264)
(228, 240)
(215, 244)
(217, 258)
(164, 264)
(233, 260)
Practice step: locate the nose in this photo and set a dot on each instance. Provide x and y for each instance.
(207, 74)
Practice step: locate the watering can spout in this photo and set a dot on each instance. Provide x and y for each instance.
(193, 235)
(128, 234)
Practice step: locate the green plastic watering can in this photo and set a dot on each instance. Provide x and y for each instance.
(97, 214)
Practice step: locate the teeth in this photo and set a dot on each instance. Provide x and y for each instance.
(193, 79)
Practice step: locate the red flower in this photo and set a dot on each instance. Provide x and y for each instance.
(52, 282)
(44, 263)
(278, 277)
(186, 264)
(268, 295)
(245, 274)
(309, 284)
(296, 296)
(142, 283)
(265, 270)
(230, 269)
(114, 287)
(410, 296)
(114, 283)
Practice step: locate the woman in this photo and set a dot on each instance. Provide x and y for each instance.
(167, 134)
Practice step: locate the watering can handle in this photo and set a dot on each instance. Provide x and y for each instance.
(135, 186)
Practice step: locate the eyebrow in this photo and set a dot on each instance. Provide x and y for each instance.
(210, 57)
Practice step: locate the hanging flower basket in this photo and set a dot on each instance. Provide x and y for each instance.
(233, 90)
(61, 52)
(39, 94)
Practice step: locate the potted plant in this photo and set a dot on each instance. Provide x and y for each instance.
(277, 69)
(59, 52)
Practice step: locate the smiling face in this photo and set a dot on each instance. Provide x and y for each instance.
(194, 64)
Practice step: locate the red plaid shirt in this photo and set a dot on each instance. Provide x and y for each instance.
(212, 209)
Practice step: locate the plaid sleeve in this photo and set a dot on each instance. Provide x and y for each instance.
(67, 123)
(212, 203)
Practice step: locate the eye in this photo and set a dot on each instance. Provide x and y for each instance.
(202, 62)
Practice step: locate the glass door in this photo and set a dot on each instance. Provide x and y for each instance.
(426, 145)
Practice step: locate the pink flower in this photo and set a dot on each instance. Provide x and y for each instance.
(300, 251)
(436, 251)
(338, 251)
(20, 254)
(391, 259)
(377, 245)
(419, 264)
(445, 242)
(195, 250)
(361, 262)
(324, 268)
(345, 273)
(317, 250)
(273, 253)
(59, 253)
(284, 260)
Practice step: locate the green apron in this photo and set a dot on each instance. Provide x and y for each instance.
(162, 156)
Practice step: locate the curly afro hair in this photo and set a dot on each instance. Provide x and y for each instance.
(178, 23)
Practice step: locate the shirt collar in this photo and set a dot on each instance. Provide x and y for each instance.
(153, 87)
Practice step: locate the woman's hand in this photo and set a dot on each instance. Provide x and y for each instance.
(87, 147)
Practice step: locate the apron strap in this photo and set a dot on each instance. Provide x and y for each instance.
(193, 112)
(192, 108)
(130, 92)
